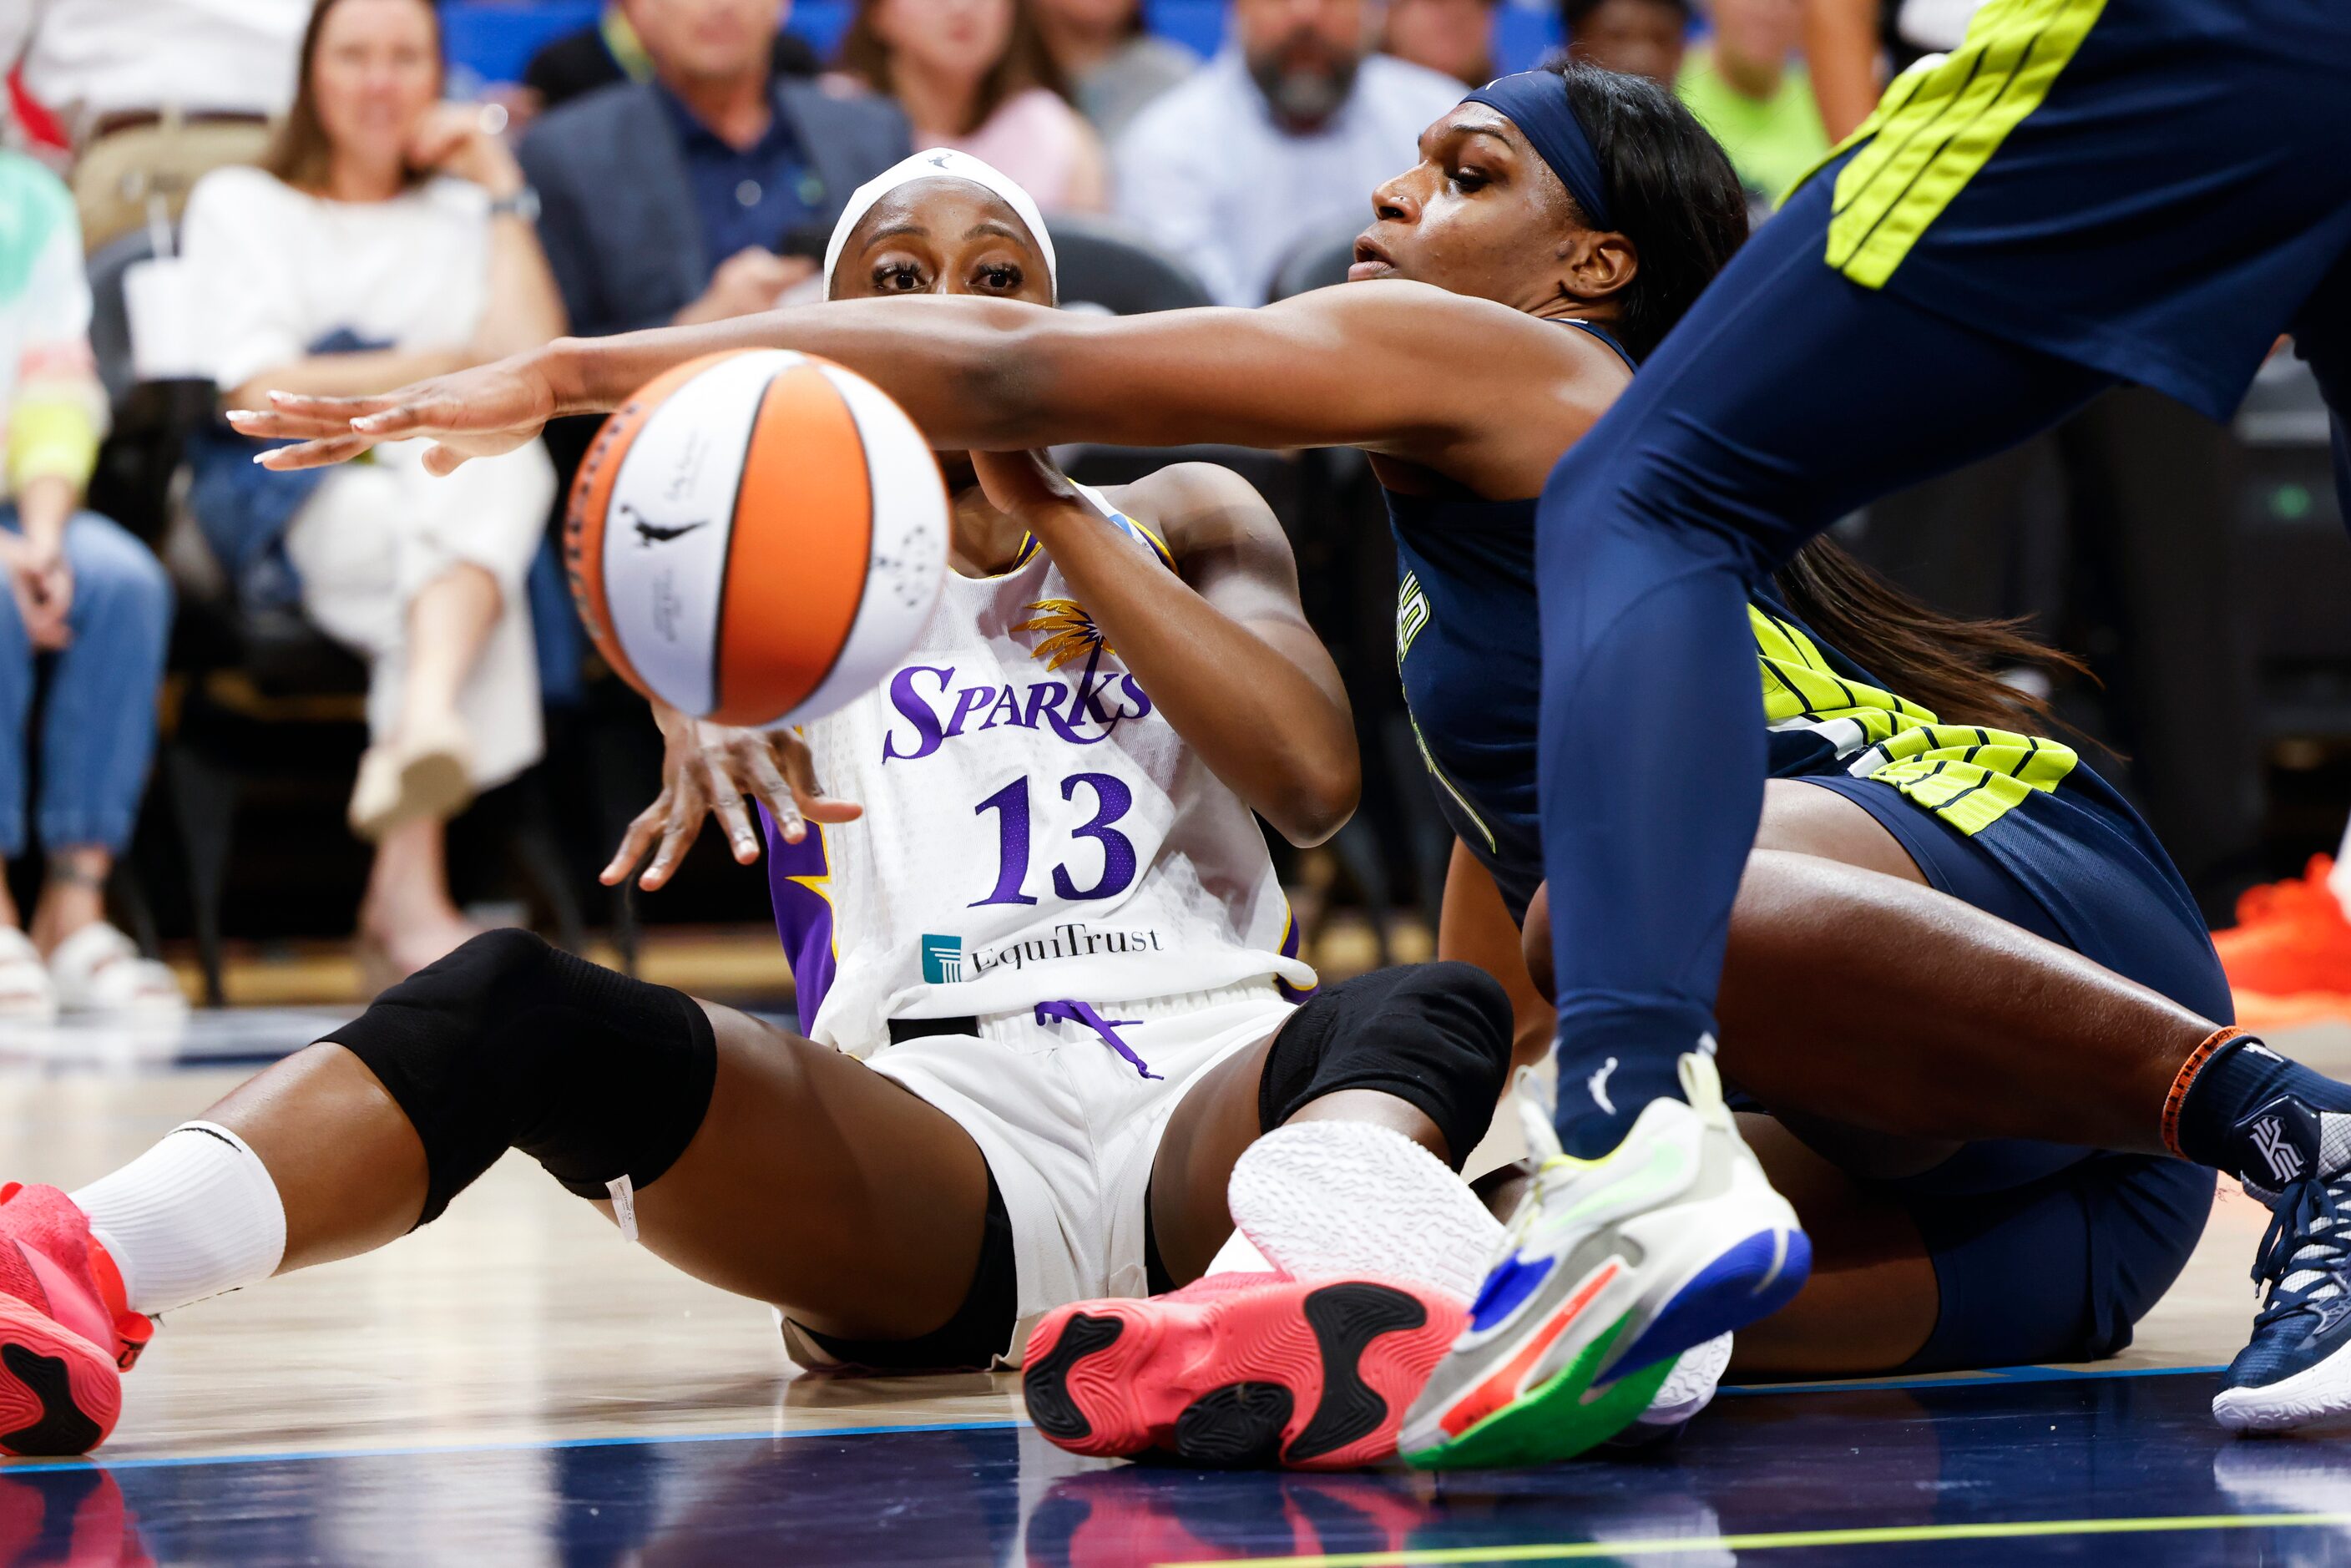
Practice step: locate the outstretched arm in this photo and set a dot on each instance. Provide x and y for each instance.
(1396, 368)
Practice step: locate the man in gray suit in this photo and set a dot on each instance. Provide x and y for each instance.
(703, 193)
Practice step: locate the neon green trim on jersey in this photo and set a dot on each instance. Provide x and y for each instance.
(1967, 775)
(1939, 123)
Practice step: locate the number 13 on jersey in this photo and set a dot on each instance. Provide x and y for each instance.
(1110, 797)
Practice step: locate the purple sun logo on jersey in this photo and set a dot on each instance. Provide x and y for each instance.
(1068, 633)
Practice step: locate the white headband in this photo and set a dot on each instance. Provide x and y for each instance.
(940, 163)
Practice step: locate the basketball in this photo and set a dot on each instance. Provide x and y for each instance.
(756, 536)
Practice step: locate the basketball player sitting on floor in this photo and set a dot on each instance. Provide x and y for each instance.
(1049, 974)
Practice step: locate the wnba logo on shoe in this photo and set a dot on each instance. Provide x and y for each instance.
(942, 960)
(2270, 1141)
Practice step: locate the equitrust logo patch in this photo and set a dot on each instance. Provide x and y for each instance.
(942, 960)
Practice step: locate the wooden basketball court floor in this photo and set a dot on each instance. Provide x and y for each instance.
(514, 1385)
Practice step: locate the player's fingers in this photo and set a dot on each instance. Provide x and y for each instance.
(442, 461)
(799, 769)
(315, 453)
(284, 424)
(636, 842)
(775, 792)
(738, 824)
(340, 410)
(418, 415)
(677, 837)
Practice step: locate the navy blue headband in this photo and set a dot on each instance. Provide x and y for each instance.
(1536, 102)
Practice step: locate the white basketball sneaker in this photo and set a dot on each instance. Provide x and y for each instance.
(1608, 1271)
(1341, 1199)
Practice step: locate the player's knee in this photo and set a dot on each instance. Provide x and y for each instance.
(510, 1043)
(1437, 1036)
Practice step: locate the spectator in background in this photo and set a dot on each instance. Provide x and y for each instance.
(707, 190)
(89, 596)
(1273, 143)
(1113, 63)
(577, 63)
(100, 63)
(385, 237)
(1639, 37)
(975, 75)
(1455, 36)
(1745, 84)
(1851, 45)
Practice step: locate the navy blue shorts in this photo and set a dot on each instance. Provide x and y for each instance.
(2042, 1251)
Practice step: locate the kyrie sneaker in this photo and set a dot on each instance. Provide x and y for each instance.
(1610, 1270)
(65, 1335)
(1239, 1370)
(2296, 1370)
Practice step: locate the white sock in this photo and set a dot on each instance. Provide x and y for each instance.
(193, 1217)
(2338, 881)
(1238, 1255)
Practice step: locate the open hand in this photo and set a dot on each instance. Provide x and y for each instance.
(709, 768)
(476, 413)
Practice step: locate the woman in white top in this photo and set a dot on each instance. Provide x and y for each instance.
(391, 226)
(975, 75)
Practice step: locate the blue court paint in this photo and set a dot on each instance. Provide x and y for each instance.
(1951, 1455)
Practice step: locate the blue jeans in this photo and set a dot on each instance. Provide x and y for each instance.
(97, 733)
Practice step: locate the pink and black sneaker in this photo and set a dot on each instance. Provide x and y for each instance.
(1240, 1370)
(66, 1333)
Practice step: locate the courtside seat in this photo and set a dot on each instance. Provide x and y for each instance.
(261, 709)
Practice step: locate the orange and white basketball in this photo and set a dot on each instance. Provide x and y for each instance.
(756, 536)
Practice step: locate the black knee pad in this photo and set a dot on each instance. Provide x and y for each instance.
(1437, 1036)
(509, 1043)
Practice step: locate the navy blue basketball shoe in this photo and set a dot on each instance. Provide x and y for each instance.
(2296, 1371)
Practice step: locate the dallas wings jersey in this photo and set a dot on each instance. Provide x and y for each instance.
(1034, 830)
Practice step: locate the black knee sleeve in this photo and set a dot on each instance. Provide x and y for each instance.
(1437, 1036)
(508, 1043)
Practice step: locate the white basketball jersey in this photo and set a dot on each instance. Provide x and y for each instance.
(1034, 830)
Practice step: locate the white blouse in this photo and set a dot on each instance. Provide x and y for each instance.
(273, 269)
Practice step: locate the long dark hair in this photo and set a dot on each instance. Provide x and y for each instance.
(300, 154)
(1672, 191)
(1026, 63)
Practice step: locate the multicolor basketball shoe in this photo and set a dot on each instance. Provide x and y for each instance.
(1376, 1247)
(1609, 1270)
(1239, 1370)
(2296, 1370)
(66, 1334)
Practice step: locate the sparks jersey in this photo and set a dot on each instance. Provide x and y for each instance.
(1034, 830)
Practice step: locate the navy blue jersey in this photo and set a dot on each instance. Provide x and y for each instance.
(1469, 653)
(1471, 662)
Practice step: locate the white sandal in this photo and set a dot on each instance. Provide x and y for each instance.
(100, 969)
(26, 995)
(425, 775)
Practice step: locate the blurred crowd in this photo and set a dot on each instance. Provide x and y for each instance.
(211, 199)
